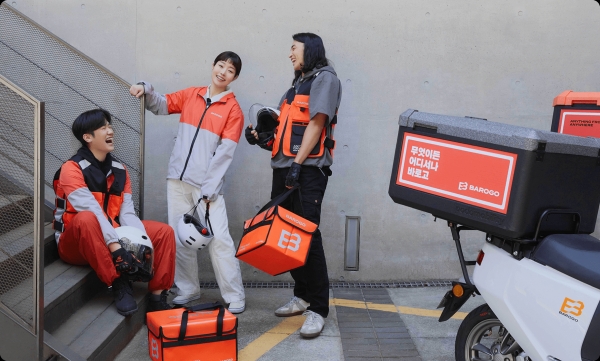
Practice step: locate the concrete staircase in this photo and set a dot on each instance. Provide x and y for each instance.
(80, 319)
(79, 313)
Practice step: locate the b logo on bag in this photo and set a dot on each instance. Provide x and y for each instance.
(154, 349)
(289, 240)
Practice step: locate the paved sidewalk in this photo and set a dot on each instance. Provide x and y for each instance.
(363, 324)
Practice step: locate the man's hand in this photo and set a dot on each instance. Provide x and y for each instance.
(252, 135)
(123, 260)
(137, 90)
(293, 175)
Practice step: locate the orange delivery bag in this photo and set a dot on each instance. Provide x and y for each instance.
(276, 240)
(206, 332)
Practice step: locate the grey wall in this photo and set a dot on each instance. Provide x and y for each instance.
(500, 60)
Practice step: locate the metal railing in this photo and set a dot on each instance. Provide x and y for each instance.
(44, 85)
(21, 220)
(69, 83)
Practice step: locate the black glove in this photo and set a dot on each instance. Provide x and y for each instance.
(250, 137)
(293, 175)
(123, 260)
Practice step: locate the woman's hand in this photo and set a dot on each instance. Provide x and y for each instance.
(137, 90)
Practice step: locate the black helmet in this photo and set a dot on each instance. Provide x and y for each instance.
(264, 120)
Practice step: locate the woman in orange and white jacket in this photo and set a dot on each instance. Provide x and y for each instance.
(210, 127)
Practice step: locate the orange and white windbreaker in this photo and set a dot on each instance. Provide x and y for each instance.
(208, 134)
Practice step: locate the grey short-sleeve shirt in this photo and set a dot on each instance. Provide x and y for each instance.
(325, 95)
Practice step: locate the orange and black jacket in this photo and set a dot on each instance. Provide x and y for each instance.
(84, 184)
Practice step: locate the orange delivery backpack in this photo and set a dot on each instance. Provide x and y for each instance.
(276, 240)
(206, 332)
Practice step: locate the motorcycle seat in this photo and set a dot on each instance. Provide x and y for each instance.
(576, 255)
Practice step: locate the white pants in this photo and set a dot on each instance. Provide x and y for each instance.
(181, 197)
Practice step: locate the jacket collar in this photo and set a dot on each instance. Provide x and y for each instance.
(222, 97)
(86, 153)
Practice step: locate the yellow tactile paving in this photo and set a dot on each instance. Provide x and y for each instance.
(257, 348)
(393, 308)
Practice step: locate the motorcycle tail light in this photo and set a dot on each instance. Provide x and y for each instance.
(480, 257)
(458, 290)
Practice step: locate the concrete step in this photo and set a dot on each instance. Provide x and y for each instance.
(15, 211)
(66, 289)
(79, 313)
(16, 259)
(97, 331)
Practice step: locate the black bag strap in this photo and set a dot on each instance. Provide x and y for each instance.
(280, 198)
(202, 307)
(207, 219)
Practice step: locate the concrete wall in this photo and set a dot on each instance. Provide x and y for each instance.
(500, 60)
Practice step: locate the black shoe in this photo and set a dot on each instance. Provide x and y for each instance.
(123, 293)
(158, 302)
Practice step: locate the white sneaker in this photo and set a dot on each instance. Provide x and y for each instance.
(295, 307)
(313, 325)
(183, 299)
(237, 306)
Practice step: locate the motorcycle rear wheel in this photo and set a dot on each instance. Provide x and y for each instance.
(478, 332)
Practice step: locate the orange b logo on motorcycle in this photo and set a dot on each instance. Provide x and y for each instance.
(289, 240)
(571, 307)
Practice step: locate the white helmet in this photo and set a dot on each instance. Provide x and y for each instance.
(192, 233)
(137, 242)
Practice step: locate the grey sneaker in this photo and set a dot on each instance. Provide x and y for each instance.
(237, 306)
(295, 307)
(183, 299)
(313, 325)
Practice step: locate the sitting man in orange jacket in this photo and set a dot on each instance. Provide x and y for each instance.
(93, 198)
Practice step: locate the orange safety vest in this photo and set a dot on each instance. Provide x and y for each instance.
(106, 189)
(293, 120)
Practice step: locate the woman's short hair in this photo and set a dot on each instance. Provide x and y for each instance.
(314, 51)
(231, 57)
(88, 122)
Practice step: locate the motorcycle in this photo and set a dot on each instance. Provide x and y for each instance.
(542, 298)
(535, 196)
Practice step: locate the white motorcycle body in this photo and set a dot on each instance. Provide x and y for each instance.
(547, 312)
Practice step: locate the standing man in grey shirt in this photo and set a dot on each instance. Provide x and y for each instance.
(302, 153)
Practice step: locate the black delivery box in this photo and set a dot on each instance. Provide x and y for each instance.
(577, 113)
(494, 177)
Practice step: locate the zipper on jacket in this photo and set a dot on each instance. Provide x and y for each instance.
(106, 200)
(208, 104)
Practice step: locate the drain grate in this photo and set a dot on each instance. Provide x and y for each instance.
(408, 284)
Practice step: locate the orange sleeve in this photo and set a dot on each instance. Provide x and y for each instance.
(235, 125)
(71, 177)
(176, 101)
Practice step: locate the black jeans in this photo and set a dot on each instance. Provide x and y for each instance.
(312, 281)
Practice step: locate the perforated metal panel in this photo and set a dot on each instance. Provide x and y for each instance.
(21, 199)
(70, 83)
(16, 202)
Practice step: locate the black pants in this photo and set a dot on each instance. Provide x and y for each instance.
(312, 281)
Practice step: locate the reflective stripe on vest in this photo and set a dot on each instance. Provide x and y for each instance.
(293, 119)
(109, 199)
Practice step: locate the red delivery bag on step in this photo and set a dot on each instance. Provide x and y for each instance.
(276, 240)
(206, 332)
